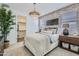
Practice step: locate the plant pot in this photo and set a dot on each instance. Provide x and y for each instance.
(6, 44)
(1, 38)
(1, 46)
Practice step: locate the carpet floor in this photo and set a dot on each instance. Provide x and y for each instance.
(18, 49)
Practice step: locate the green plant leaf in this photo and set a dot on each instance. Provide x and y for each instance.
(6, 20)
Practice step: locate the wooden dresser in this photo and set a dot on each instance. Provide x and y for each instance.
(70, 41)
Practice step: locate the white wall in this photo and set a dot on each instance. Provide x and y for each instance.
(31, 25)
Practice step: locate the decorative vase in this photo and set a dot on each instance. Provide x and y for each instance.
(66, 31)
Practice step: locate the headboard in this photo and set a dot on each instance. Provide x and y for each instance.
(51, 29)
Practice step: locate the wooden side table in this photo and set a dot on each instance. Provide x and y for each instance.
(70, 40)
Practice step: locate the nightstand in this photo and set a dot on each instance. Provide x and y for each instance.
(71, 41)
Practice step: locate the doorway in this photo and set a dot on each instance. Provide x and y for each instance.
(21, 28)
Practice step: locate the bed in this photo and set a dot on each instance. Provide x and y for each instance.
(41, 43)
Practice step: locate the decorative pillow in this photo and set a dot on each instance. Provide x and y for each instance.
(54, 31)
(50, 30)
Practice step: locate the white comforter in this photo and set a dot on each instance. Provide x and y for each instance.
(39, 43)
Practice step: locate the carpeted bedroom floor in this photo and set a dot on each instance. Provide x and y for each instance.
(19, 50)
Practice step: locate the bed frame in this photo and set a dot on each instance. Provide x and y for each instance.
(44, 55)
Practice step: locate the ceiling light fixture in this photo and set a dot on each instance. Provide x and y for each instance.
(34, 12)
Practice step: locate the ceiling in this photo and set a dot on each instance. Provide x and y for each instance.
(43, 8)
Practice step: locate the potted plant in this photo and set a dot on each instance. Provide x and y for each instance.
(6, 21)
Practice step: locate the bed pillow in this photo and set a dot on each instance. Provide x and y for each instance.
(49, 31)
(54, 31)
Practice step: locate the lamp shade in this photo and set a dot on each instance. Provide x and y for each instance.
(65, 25)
